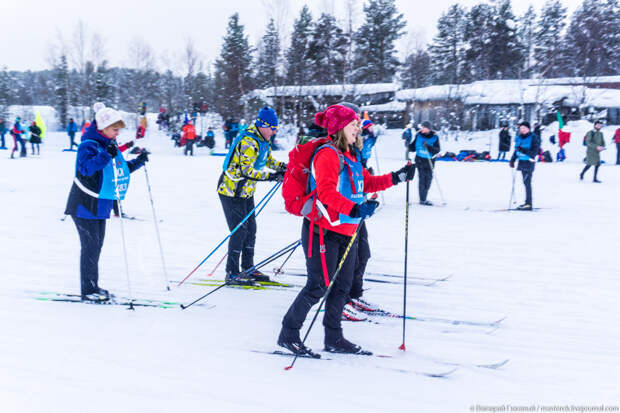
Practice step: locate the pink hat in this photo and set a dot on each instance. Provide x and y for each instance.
(335, 118)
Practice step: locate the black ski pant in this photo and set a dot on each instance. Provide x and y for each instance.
(241, 243)
(502, 155)
(335, 247)
(92, 233)
(363, 255)
(33, 146)
(189, 147)
(425, 177)
(595, 170)
(72, 141)
(23, 152)
(617, 153)
(527, 170)
(3, 143)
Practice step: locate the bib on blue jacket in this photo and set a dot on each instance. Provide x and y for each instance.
(524, 142)
(350, 182)
(263, 151)
(420, 149)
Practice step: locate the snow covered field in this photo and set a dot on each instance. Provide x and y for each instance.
(553, 273)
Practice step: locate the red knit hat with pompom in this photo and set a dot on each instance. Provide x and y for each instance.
(335, 118)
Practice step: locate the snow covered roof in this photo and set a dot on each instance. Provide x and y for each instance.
(505, 92)
(330, 90)
(394, 106)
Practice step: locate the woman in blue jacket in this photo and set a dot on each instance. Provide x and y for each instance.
(101, 176)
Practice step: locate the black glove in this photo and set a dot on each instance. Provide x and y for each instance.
(143, 157)
(111, 150)
(282, 168)
(276, 176)
(364, 210)
(129, 144)
(512, 163)
(406, 173)
(520, 149)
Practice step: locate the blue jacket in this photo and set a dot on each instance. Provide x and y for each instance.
(370, 140)
(425, 146)
(526, 148)
(91, 159)
(71, 128)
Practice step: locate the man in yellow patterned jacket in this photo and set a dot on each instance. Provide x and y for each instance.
(243, 167)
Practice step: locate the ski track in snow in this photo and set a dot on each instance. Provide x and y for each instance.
(553, 273)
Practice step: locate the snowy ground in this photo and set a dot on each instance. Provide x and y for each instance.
(552, 273)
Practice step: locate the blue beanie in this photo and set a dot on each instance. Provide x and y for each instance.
(267, 118)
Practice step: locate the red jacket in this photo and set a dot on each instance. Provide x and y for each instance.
(617, 136)
(189, 132)
(326, 165)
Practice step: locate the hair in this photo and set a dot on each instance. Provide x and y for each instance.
(117, 124)
(340, 141)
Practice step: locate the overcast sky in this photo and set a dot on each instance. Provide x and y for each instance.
(29, 28)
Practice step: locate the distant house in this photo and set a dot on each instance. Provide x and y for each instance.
(298, 104)
(486, 104)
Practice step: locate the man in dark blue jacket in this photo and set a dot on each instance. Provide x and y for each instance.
(71, 131)
(101, 176)
(426, 146)
(527, 145)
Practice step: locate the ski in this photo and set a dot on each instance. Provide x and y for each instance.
(260, 285)
(428, 373)
(383, 313)
(490, 366)
(376, 280)
(517, 209)
(289, 354)
(76, 298)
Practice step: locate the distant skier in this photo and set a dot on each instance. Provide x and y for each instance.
(504, 142)
(369, 140)
(426, 146)
(407, 137)
(231, 129)
(189, 137)
(101, 174)
(18, 131)
(3, 131)
(527, 145)
(616, 139)
(595, 143)
(35, 137)
(243, 167)
(72, 129)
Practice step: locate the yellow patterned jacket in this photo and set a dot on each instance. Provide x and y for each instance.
(249, 157)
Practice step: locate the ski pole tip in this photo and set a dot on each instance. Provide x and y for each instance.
(182, 306)
(288, 367)
(402, 347)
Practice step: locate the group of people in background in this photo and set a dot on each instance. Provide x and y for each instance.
(20, 137)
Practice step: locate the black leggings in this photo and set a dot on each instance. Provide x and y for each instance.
(335, 247)
(243, 240)
(92, 233)
(363, 255)
(595, 170)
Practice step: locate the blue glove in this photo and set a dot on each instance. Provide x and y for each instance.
(364, 210)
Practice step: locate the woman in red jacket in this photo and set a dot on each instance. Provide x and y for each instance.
(341, 183)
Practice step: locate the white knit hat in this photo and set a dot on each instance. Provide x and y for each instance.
(106, 116)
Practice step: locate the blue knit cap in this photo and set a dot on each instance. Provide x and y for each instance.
(267, 118)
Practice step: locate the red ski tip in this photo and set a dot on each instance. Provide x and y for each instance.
(288, 368)
(402, 347)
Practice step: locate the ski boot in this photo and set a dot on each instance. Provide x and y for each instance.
(293, 343)
(238, 279)
(349, 313)
(257, 276)
(427, 203)
(342, 345)
(362, 305)
(524, 207)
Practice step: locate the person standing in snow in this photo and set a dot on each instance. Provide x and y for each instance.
(17, 133)
(35, 137)
(72, 129)
(101, 175)
(595, 143)
(407, 136)
(616, 139)
(527, 145)
(340, 194)
(369, 140)
(3, 131)
(243, 167)
(426, 146)
(189, 136)
(504, 142)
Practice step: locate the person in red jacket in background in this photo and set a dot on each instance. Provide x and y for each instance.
(189, 135)
(617, 142)
(340, 207)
